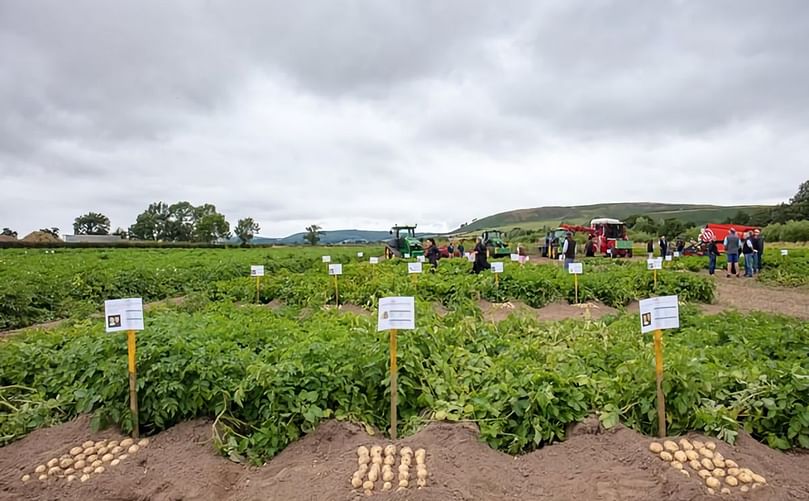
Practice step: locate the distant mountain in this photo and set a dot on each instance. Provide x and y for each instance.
(582, 214)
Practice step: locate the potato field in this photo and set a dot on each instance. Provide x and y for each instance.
(267, 378)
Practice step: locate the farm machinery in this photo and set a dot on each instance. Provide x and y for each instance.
(495, 244)
(403, 242)
(609, 237)
(712, 232)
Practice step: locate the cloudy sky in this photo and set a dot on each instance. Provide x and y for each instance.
(368, 113)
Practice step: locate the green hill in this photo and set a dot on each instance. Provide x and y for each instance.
(581, 214)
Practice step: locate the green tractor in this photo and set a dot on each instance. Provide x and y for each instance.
(403, 242)
(495, 243)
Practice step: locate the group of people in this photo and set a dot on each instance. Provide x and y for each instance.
(663, 244)
(480, 252)
(750, 246)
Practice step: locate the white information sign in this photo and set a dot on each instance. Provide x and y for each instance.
(659, 313)
(360, 254)
(123, 314)
(396, 313)
(407, 255)
(575, 268)
(515, 257)
(414, 267)
(257, 270)
(326, 259)
(668, 257)
(562, 257)
(676, 254)
(470, 257)
(497, 267)
(420, 259)
(335, 269)
(784, 252)
(374, 260)
(655, 263)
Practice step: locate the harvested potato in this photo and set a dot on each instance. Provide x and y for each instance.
(685, 444)
(698, 444)
(79, 464)
(387, 476)
(26, 478)
(115, 462)
(69, 471)
(744, 488)
(81, 457)
(733, 471)
(65, 463)
(731, 464)
(361, 469)
(670, 445)
(422, 482)
(88, 443)
(143, 442)
(107, 458)
(390, 450)
(43, 477)
(387, 486)
(41, 469)
(363, 460)
(87, 469)
(85, 477)
(71, 478)
(677, 465)
(133, 449)
(102, 450)
(91, 458)
(718, 463)
(680, 456)
(389, 460)
(403, 482)
(655, 447)
(403, 467)
(100, 469)
(759, 479)
(76, 451)
(100, 443)
(695, 465)
(112, 443)
(710, 445)
(373, 474)
(718, 455)
(52, 462)
(731, 481)
(706, 453)
(711, 491)
(361, 450)
(707, 464)
(712, 482)
(376, 460)
(725, 490)
(756, 486)
(96, 463)
(704, 473)
(666, 456)
(421, 474)
(744, 477)
(406, 460)
(376, 450)
(126, 442)
(368, 485)
(356, 482)
(685, 472)
(421, 452)
(116, 450)
(406, 451)
(89, 451)
(692, 455)
(123, 456)
(404, 475)
(718, 473)
(54, 471)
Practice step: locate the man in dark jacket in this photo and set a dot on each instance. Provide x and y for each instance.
(732, 247)
(759, 248)
(569, 249)
(749, 251)
(713, 253)
(664, 246)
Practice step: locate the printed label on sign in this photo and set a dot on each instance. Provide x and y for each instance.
(326, 259)
(257, 270)
(676, 254)
(659, 313)
(360, 254)
(123, 314)
(420, 259)
(497, 267)
(335, 269)
(784, 252)
(374, 260)
(414, 267)
(668, 257)
(575, 268)
(515, 257)
(654, 263)
(396, 313)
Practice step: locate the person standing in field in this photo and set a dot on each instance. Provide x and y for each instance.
(732, 247)
(569, 250)
(664, 246)
(450, 249)
(749, 251)
(713, 253)
(522, 255)
(759, 249)
(433, 254)
(481, 263)
(460, 248)
(590, 247)
(650, 248)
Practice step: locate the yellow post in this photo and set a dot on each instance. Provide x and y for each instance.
(576, 286)
(336, 292)
(654, 272)
(258, 288)
(497, 280)
(133, 384)
(394, 389)
(661, 399)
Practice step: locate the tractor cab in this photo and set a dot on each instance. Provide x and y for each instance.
(611, 239)
(552, 243)
(403, 242)
(495, 243)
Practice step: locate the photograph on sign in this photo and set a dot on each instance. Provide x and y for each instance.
(497, 267)
(360, 254)
(257, 270)
(575, 268)
(374, 260)
(123, 314)
(396, 313)
(326, 259)
(659, 313)
(414, 267)
(335, 269)
(784, 252)
(515, 257)
(668, 257)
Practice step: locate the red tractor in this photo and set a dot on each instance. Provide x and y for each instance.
(716, 232)
(609, 236)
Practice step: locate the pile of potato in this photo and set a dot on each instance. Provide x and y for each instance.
(373, 468)
(89, 458)
(719, 474)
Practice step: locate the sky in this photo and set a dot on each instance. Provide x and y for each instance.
(363, 114)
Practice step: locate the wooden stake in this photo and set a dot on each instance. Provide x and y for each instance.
(654, 272)
(258, 288)
(336, 293)
(497, 280)
(133, 384)
(661, 398)
(576, 286)
(394, 388)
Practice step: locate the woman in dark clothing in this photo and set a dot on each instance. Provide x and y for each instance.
(590, 247)
(433, 254)
(713, 253)
(650, 248)
(481, 263)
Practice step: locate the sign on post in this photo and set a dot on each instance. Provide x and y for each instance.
(784, 252)
(420, 259)
(326, 259)
(127, 315)
(497, 267)
(515, 257)
(676, 254)
(395, 313)
(360, 254)
(335, 269)
(373, 260)
(668, 257)
(257, 270)
(656, 314)
(407, 255)
(654, 263)
(414, 267)
(575, 268)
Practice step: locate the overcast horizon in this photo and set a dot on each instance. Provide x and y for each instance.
(367, 114)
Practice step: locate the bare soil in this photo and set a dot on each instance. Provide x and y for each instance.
(745, 295)
(592, 464)
(496, 312)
